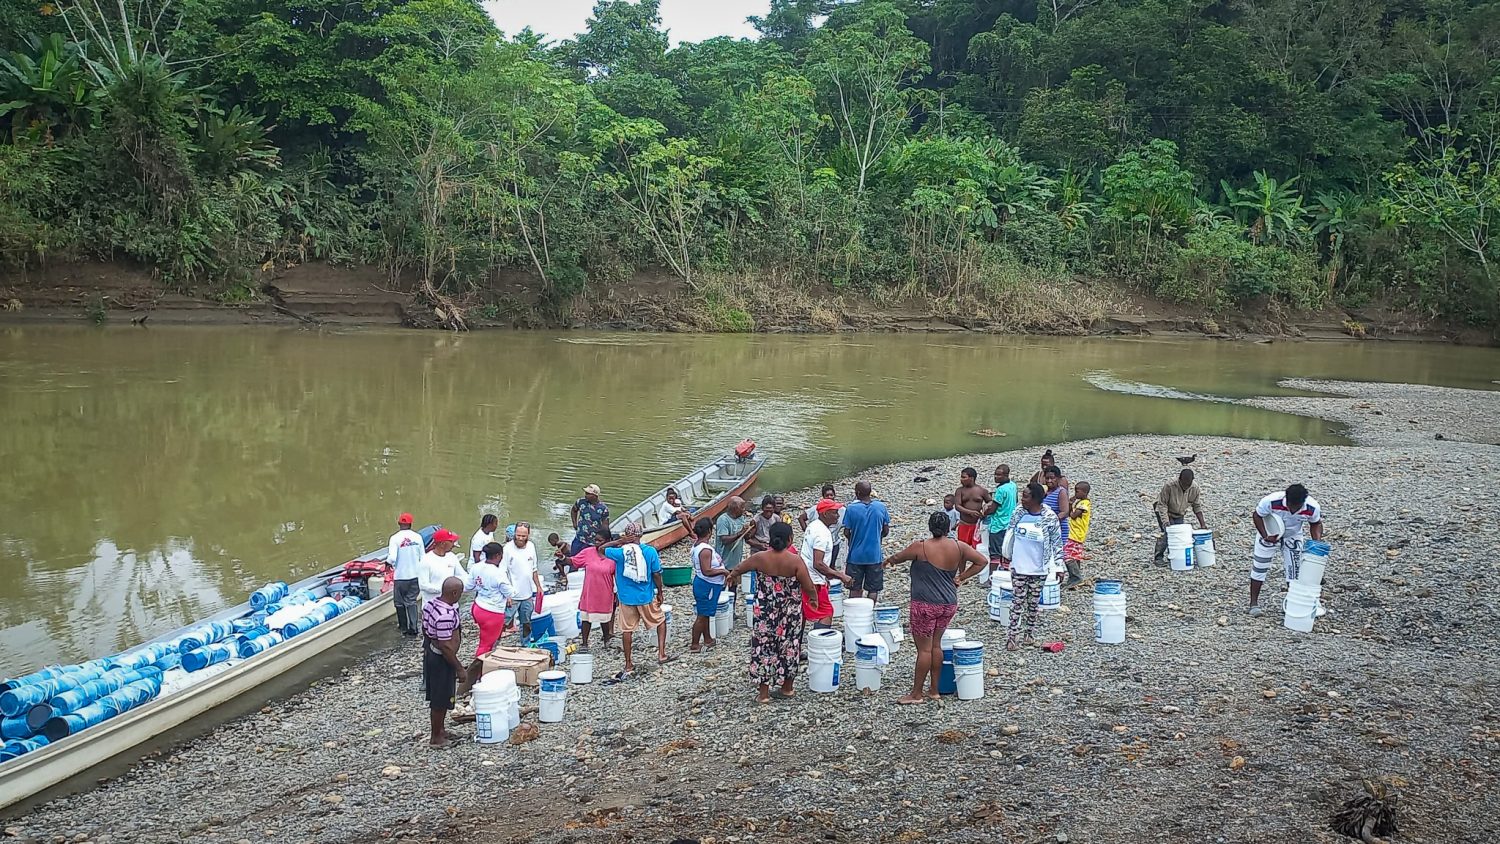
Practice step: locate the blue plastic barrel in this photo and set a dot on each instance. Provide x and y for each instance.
(268, 594)
(15, 728)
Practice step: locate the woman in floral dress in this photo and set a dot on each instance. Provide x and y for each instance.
(776, 637)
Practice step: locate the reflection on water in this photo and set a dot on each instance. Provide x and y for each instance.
(153, 476)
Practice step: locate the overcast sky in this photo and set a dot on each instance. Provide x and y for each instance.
(687, 20)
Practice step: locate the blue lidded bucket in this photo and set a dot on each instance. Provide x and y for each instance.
(1108, 587)
(968, 653)
(553, 681)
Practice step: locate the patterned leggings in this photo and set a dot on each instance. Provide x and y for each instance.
(1028, 595)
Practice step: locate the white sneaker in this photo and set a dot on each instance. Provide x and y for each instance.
(1255, 610)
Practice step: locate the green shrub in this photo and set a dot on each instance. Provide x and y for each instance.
(1218, 267)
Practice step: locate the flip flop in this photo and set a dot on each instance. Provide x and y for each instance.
(778, 694)
(665, 661)
(619, 678)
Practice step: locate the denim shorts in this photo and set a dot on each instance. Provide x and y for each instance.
(706, 596)
(520, 613)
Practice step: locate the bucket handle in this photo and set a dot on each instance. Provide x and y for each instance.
(1313, 614)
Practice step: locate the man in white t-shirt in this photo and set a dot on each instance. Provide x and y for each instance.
(817, 555)
(810, 515)
(404, 554)
(482, 537)
(1293, 508)
(519, 560)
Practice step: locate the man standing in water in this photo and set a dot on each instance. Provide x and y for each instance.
(405, 554)
(866, 523)
(1172, 505)
(441, 669)
(590, 515)
(1002, 504)
(972, 502)
(1293, 508)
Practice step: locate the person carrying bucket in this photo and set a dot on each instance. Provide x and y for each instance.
(1292, 509)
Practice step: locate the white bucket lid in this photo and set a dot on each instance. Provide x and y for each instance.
(552, 674)
(499, 679)
(953, 634)
(870, 640)
(968, 644)
(859, 603)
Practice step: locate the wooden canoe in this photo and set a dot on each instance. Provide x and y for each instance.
(62, 760)
(706, 491)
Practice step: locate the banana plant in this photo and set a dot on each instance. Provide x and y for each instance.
(46, 89)
(1271, 211)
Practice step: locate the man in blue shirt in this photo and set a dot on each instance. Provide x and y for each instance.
(639, 587)
(866, 523)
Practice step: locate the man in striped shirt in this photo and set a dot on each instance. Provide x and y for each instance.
(441, 669)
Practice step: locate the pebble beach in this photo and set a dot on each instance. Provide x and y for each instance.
(1206, 725)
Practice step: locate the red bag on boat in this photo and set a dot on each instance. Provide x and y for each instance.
(744, 449)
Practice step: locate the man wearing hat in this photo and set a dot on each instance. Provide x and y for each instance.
(817, 555)
(439, 564)
(590, 518)
(405, 554)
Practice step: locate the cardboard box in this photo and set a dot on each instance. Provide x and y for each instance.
(528, 663)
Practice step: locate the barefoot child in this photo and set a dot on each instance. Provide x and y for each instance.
(1078, 531)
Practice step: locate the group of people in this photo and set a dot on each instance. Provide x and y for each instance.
(1031, 530)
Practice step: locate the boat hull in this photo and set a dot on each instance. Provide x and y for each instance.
(56, 763)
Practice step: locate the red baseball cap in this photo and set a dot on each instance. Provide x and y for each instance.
(444, 535)
(405, 519)
(828, 504)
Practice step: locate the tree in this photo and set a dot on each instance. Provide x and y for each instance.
(1271, 210)
(867, 66)
(1455, 192)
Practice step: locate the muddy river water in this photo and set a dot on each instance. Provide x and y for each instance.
(152, 476)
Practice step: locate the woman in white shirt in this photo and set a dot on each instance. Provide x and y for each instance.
(1033, 542)
(492, 591)
(439, 564)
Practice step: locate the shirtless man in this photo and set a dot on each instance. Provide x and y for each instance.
(971, 501)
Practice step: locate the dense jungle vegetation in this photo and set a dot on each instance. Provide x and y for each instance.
(1218, 153)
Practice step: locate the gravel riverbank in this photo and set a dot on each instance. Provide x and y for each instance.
(1207, 725)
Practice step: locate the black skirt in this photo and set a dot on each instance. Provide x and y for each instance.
(440, 679)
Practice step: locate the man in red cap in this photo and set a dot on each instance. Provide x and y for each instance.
(405, 554)
(439, 564)
(817, 555)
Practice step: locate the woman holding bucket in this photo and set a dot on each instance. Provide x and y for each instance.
(1033, 543)
(776, 637)
(935, 579)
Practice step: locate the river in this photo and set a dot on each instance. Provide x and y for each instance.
(155, 475)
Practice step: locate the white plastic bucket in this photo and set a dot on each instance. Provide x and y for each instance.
(581, 669)
(887, 615)
(1313, 563)
(968, 669)
(824, 658)
(867, 675)
(1180, 547)
(1109, 618)
(836, 597)
(1203, 548)
(491, 715)
(1300, 606)
(1000, 608)
(859, 620)
(553, 696)
(724, 618)
(575, 581)
(667, 619)
(1051, 592)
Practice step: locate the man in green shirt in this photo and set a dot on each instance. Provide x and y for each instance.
(730, 532)
(999, 512)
